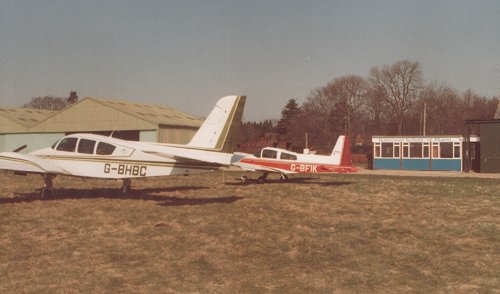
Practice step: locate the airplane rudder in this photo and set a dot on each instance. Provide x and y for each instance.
(229, 137)
(218, 126)
(346, 152)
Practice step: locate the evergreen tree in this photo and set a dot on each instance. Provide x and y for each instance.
(289, 114)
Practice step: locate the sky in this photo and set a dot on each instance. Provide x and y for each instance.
(187, 54)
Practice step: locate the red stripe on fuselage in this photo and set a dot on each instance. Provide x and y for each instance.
(300, 167)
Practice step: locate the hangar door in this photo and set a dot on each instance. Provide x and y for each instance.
(175, 135)
(490, 148)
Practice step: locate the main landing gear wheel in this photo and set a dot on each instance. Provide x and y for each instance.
(48, 189)
(127, 186)
(262, 179)
(284, 178)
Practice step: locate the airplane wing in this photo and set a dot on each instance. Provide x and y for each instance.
(260, 168)
(187, 154)
(28, 163)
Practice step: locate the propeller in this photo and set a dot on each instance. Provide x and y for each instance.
(20, 148)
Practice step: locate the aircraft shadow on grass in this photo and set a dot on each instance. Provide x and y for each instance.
(295, 180)
(136, 194)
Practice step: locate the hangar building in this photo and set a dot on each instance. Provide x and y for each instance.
(127, 120)
(15, 123)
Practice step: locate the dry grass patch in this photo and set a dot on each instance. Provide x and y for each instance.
(344, 233)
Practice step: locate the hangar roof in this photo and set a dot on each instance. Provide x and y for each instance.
(155, 114)
(25, 117)
(92, 113)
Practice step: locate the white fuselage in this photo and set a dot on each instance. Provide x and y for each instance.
(103, 157)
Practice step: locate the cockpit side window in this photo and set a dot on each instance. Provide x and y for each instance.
(288, 156)
(105, 148)
(257, 154)
(267, 153)
(86, 146)
(67, 144)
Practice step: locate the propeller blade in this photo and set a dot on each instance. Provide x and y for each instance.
(20, 148)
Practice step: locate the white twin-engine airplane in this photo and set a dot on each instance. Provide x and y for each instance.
(95, 156)
(275, 160)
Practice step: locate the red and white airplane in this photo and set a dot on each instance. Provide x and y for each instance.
(276, 160)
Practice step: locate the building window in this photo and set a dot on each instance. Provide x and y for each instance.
(415, 150)
(406, 150)
(387, 150)
(446, 150)
(425, 150)
(456, 150)
(397, 148)
(435, 150)
(377, 150)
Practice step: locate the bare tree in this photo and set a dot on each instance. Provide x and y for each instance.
(318, 117)
(444, 108)
(400, 84)
(375, 108)
(46, 102)
(349, 93)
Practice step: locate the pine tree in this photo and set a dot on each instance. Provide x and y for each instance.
(289, 114)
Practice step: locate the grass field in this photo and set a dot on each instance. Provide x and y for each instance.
(196, 234)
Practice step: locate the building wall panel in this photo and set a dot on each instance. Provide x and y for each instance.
(9, 142)
(490, 148)
(147, 136)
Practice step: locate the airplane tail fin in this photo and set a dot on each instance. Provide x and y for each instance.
(220, 128)
(342, 151)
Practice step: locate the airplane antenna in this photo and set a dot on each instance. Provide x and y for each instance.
(112, 132)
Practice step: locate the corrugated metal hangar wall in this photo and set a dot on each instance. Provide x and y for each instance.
(127, 120)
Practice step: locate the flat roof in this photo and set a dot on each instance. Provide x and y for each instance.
(433, 138)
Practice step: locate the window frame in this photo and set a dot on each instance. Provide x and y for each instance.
(426, 147)
(406, 147)
(62, 141)
(93, 146)
(104, 144)
(377, 150)
(273, 152)
(446, 149)
(455, 146)
(288, 156)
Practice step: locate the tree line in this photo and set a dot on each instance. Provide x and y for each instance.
(51, 102)
(391, 100)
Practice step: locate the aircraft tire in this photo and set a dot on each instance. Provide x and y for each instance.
(261, 180)
(126, 189)
(47, 193)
